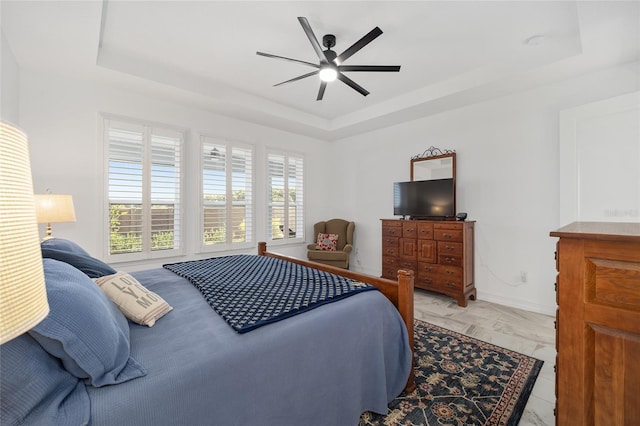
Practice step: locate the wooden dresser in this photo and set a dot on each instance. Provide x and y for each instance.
(439, 252)
(598, 324)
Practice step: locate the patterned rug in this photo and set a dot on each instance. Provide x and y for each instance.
(461, 381)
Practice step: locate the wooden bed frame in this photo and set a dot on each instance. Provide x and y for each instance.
(400, 292)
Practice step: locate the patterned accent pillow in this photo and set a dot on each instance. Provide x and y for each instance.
(327, 242)
(140, 305)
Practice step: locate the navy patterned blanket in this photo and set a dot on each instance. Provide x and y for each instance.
(250, 291)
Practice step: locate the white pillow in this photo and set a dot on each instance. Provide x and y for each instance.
(134, 300)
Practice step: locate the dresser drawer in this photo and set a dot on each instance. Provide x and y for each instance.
(447, 234)
(449, 259)
(389, 242)
(447, 284)
(443, 271)
(409, 229)
(390, 251)
(390, 271)
(449, 248)
(439, 283)
(425, 231)
(407, 265)
(392, 231)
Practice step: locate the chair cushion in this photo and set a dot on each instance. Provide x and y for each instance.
(327, 255)
(327, 242)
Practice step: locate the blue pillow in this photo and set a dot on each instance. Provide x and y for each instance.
(36, 389)
(84, 328)
(64, 245)
(94, 268)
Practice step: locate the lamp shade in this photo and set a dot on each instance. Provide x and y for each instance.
(23, 297)
(54, 208)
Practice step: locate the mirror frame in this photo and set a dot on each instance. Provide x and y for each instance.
(436, 154)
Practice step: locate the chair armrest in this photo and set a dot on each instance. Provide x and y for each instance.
(347, 248)
(311, 247)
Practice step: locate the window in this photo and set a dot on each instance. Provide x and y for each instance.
(227, 196)
(285, 196)
(144, 190)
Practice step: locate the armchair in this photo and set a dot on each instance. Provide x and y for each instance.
(340, 257)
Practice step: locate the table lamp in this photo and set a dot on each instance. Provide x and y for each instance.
(23, 296)
(54, 208)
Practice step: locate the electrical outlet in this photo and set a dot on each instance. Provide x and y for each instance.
(523, 276)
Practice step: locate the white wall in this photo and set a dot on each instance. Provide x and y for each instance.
(61, 117)
(507, 161)
(507, 180)
(9, 83)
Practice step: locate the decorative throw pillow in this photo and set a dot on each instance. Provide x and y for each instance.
(327, 242)
(137, 303)
(84, 329)
(92, 267)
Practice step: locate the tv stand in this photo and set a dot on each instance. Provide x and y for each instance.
(440, 252)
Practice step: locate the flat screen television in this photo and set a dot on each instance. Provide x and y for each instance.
(423, 199)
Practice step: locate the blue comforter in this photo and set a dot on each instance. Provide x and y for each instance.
(324, 367)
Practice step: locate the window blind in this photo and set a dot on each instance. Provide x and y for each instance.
(144, 188)
(227, 194)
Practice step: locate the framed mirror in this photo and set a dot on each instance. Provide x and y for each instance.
(441, 166)
(433, 164)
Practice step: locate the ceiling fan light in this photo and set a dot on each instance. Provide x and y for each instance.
(328, 74)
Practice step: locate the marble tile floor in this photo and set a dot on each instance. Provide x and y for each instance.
(526, 332)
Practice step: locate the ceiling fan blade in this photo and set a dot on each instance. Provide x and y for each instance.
(312, 38)
(378, 68)
(368, 38)
(269, 55)
(355, 86)
(297, 78)
(323, 85)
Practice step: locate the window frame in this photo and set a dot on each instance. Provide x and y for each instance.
(229, 146)
(300, 231)
(146, 201)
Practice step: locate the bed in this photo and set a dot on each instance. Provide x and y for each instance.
(323, 367)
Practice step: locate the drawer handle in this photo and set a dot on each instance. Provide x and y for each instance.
(392, 232)
(428, 269)
(450, 248)
(447, 235)
(449, 272)
(451, 285)
(449, 259)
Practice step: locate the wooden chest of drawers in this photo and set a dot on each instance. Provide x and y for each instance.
(598, 324)
(439, 252)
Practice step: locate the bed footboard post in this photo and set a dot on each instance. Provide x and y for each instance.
(405, 306)
(262, 248)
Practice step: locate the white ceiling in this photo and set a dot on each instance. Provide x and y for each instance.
(203, 53)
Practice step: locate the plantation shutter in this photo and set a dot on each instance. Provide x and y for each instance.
(227, 194)
(165, 189)
(285, 212)
(144, 188)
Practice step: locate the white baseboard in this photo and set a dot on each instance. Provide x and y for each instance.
(519, 304)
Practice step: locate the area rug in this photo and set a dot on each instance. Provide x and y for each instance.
(461, 381)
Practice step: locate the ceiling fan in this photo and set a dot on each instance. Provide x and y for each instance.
(330, 66)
